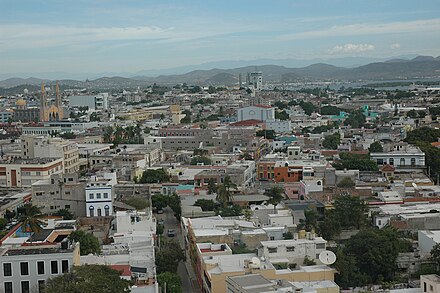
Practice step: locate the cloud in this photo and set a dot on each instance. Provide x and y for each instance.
(395, 46)
(351, 48)
(360, 29)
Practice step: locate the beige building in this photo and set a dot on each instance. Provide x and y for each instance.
(430, 283)
(25, 172)
(47, 147)
(142, 114)
(216, 266)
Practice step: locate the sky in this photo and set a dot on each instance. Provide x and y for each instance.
(133, 35)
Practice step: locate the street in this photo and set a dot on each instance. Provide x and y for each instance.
(170, 222)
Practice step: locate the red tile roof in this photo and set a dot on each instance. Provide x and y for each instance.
(250, 122)
(263, 106)
(388, 168)
(124, 269)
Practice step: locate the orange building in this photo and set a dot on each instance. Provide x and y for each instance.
(265, 170)
(286, 173)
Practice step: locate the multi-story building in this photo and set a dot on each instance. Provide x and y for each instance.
(99, 195)
(98, 102)
(27, 268)
(25, 172)
(293, 251)
(256, 112)
(61, 191)
(46, 147)
(402, 156)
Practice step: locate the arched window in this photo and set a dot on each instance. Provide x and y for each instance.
(92, 211)
(402, 162)
(107, 210)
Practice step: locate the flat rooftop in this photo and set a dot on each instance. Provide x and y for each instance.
(30, 250)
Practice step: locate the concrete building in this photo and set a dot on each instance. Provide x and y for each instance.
(25, 172)
(100, 194)
(61, 191)
(427, 240)
(134, 225)
(27, 268)
(292, 251)
(279, 126)
(97, 102)
(401, 156)
(257, 112)
(430, 283)
(47, 147)
(256, 81)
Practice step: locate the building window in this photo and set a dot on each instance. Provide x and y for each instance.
(7, 269)
(105, 195)
(67, 206)
(91, 196)
(54, 267)
(40, 267)
(320, 246)
(290, 248)
(92, 211)
(380, 161)
(64, 266)
(99, 212)
(25, 287)
(8, 287)
(413, 161)
(272, 249)
(107, 210)
(41, 284)
(98, 196)
(24, 269)
(391, 161)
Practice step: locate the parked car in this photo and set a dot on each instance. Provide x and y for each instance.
(160, 222)
(171, 233)
(160, 211)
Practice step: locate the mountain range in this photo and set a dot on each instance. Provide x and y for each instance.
(394, 69)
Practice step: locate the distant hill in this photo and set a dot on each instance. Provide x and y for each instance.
(418, 67)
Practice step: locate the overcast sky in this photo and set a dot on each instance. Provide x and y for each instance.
(127, 36)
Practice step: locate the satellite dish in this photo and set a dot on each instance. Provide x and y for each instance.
(327, 257)
(255, 262)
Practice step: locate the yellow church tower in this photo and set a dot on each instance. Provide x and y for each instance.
(53, 112)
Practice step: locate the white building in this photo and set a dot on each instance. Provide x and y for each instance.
(256, 80)
(256, 112)
(279, 126)
(99, 195)
(401, 156)
(310, 185)
(427, 240)
(98, 102)
(293, 250)
(27, 268)
(134, 226)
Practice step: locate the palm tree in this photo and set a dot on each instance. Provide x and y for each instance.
(30, 218)
(275, 195)
(229, 184)
(223, 195)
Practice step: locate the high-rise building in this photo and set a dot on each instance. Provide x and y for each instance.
(256, 80)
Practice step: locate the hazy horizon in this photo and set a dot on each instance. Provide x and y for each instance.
(95, 37)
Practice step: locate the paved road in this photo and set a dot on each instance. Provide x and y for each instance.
(170, 222)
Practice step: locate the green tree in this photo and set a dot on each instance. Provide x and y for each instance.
(230, 211)
(187, 118)
(310, 220)
(137, 202)
(346, 183)
(330, 227)
(247, 213)
(276, 195)
(282, 115)
(223, 195)
(375, 147)
(89, 279)
(435, 255)
(88, 242)
(159, 201)
(171, 281)
(332, 141)
(30, 218)
(308, 107)
(169, 256)
(65, 213)
(3, 223)
(212, 186)
(94, 117)
(9, 215)
(268, 134)
(356, 119)
(351, 211)
(330, 110)
(175, 204)
(201, 160)
(206, 204)
(308, 261)
(154, 176)
(411, 114)
(159, 229)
